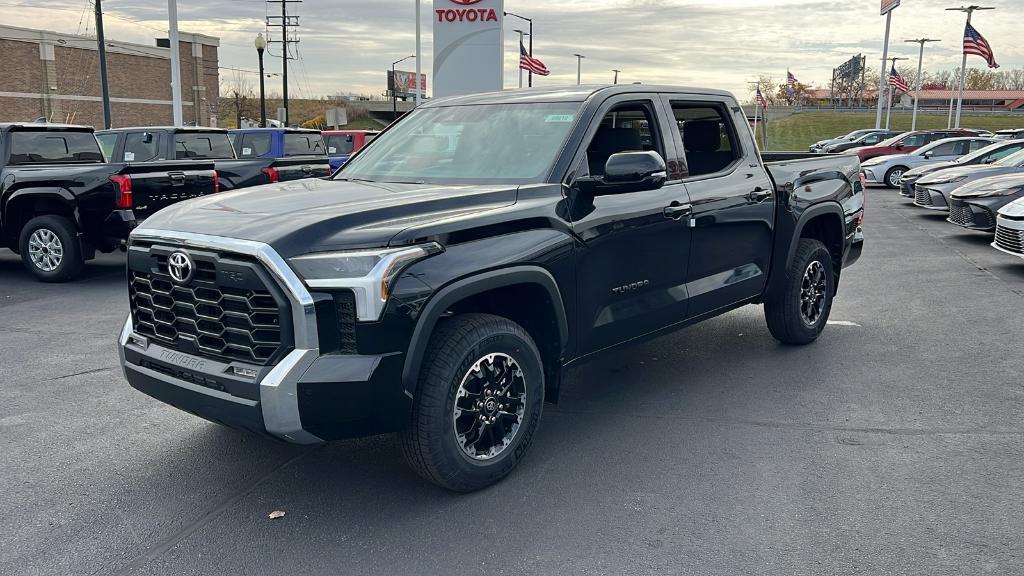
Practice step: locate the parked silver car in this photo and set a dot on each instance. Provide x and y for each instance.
(821, 145)
(890, 168)
(933, 191)
(986, 155)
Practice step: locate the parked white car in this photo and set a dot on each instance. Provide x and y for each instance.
(1010, 229)
(889, 169)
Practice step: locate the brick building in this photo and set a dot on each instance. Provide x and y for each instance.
(56, 76)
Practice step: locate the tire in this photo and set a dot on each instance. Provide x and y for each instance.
(449, 379)
(894, 173)
(50, 248)
(790, 319)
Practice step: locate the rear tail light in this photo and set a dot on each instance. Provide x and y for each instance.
(216, 182)
(272, 175)
(123, 188)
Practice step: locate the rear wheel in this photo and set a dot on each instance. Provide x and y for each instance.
(799, 312)
(50, 248)
(478, 403)
(892, 177)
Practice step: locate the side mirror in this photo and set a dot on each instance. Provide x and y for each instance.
(988, 160)
(898, 146)
(929, 154)
(627, 172)
(147, 138)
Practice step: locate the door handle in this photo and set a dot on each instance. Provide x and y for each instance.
(675, 210)
(758, 194)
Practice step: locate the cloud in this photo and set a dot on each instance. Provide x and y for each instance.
(347, 45)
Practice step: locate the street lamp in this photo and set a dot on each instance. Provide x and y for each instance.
(261, 46)
(520, 47)
(394, 85)
(963, 66)
(529, 75)
(579, 66)
(917, 92)
(616, 81)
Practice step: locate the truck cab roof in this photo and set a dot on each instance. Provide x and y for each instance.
(565, 94)
(202, 129)
(8, 126)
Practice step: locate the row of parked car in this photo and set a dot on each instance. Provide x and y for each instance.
(974, 176)
(67, 192)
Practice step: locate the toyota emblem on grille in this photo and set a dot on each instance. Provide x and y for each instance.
(179, 266)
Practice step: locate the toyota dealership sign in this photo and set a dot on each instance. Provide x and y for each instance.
(467, 46)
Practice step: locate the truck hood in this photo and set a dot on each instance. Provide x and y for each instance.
(972, 171)
(315, 215)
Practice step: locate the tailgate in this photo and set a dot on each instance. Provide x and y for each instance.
(156, 185)
(299, 167)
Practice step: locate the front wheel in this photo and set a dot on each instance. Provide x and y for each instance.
(798, 312)
(477, 405)
(50, 248)
(893, 176)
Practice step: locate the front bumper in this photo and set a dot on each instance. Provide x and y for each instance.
(907, 187)
(1009, 236)
(306, 397)
(931, 198)
(977, 213)
(873, 174)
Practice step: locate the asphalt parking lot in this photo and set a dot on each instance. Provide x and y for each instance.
(893, 445)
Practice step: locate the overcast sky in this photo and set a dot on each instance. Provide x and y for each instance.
(347, 45)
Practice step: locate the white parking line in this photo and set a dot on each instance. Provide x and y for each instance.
(842, 323)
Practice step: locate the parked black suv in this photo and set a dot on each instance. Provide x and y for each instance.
(443, 280)
(60, 202)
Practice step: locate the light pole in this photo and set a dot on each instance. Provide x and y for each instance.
(394, 86)
(261, 45)
(963, 66)
(579, 66)
(917, 91)
(521, 34)
(888, 89)
(529, 49)
(616, 81)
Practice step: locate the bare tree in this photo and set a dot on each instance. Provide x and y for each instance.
(237, 96)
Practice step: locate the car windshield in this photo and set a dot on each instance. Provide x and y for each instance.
(1015, 159)
(890, 141)
(474, 144)
(990, 150)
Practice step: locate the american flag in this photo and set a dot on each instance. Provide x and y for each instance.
(897, 81)
(760, 99)
(790, 83)
(531, 64)
(975, 43)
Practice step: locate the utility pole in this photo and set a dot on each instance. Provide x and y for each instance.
(917, 92)
(963, 66)
(579, 66)
(882, 76)
(101, 46)
(616, 81)
(888, 88)
(172, 17)
(284, 21)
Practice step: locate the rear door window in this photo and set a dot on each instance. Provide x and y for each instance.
(107, 142)
(202, 145)
(141, 147)
(708, 137)
(38, 147)
(340, 144)
(303, 144)
(254, 144)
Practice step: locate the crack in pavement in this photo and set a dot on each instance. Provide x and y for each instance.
(93, 371)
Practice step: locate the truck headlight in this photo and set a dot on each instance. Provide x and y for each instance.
(368, 273)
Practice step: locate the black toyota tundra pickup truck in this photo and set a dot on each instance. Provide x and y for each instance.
(443, 281)
(152, 144)
(60, 202)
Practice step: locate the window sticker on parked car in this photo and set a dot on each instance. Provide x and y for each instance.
(559, 118)
(246, 151)
(129, 156)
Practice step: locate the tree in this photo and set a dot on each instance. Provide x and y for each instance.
(769, 87)
(237, 96)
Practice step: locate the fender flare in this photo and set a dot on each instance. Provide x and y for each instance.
(60, 195)
(470, 286)
(810, 213)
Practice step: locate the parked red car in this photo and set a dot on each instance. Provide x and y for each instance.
(908, 142)
(343, 143)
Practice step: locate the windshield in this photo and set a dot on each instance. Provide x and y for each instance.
(483, 144)
(203, 145)
(1015, 159)
(992, 152)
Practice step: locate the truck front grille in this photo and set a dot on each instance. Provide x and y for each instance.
(1010, 239)
(227, 311)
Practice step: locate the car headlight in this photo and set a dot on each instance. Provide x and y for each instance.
(368, 273)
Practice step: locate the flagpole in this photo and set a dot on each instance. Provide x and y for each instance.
(917, 92)
(963, 66)
(888, 106)
(885, 57)
(419, 56)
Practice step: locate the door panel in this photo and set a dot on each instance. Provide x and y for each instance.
(631, 259)
(733, 206)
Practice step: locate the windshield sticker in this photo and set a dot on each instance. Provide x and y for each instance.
(246, 151)
(129, 156)
(561, 118)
